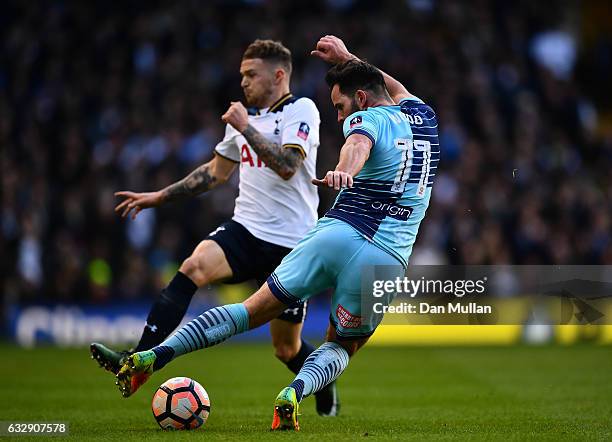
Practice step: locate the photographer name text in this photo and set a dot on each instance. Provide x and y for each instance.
(424, 308)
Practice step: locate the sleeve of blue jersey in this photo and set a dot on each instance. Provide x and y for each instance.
(364, 123)
(411, 98)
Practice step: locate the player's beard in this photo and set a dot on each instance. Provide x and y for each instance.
(250, 101)
(354, 107)
(258, 100)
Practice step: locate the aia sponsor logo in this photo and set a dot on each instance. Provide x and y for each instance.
(346, 319)
(249, 158)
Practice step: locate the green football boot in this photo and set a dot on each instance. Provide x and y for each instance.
(286, 411)
(135, 372)
(109, 359)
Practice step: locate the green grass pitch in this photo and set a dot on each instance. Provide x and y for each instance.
(513, 393)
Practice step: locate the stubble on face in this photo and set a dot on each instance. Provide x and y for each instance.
(257, 83)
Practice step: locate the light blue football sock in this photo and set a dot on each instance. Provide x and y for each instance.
(322, 366)
(210, 328)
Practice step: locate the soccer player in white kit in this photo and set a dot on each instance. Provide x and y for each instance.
(274, 143)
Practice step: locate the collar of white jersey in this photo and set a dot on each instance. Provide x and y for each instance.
(277, 106)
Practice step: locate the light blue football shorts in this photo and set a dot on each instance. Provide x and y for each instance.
(333, 255)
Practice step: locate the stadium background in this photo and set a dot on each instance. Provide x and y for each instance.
(97, 97)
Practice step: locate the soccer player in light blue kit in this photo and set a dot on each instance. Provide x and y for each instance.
(386, 170)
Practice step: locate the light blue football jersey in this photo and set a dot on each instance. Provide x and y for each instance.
(391, 193)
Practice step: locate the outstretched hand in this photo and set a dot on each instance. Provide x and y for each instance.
(335, 179)
(332, 50)
(135, 202)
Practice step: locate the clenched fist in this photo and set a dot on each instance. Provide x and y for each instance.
(332, 50)
(237, 116)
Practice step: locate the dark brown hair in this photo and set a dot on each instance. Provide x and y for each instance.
(269, 50)
(356, 74)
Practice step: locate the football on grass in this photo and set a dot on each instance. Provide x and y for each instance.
(180, 404)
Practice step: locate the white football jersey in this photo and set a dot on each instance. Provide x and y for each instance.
(272, 209)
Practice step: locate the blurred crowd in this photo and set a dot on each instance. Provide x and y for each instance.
(97, 97)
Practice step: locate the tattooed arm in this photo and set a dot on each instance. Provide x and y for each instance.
(285, 161)
(204, 178)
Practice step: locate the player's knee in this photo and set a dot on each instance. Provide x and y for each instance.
(194, 267)
(286, 351)
(352, 346)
